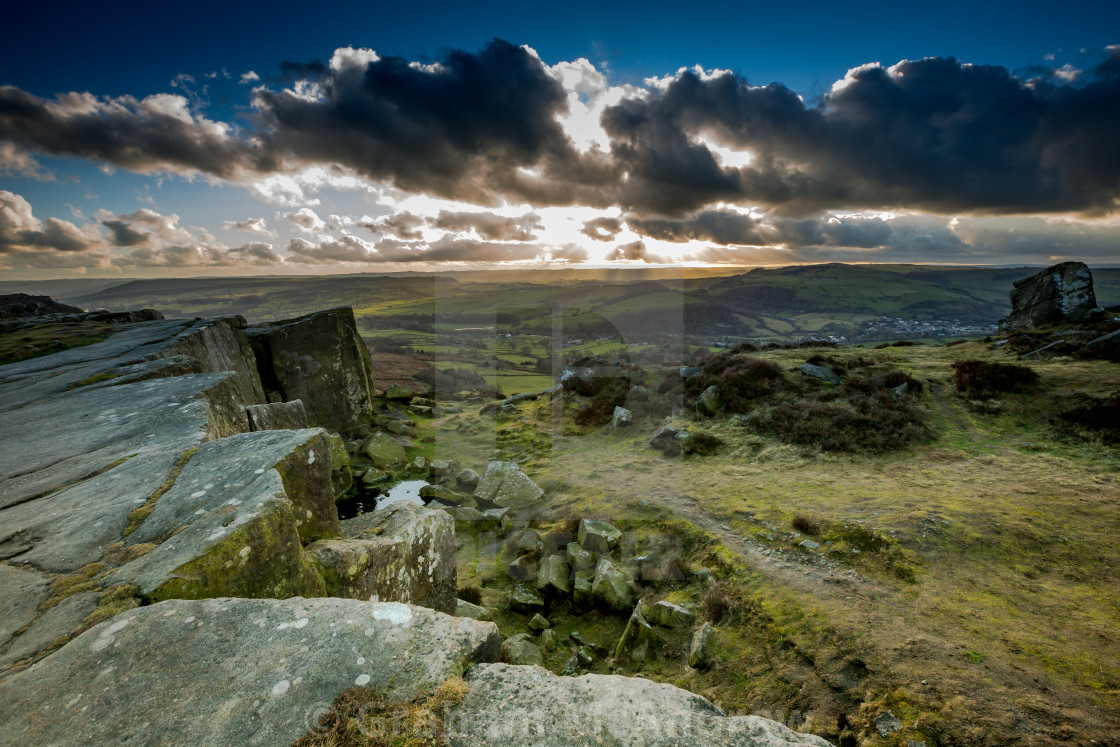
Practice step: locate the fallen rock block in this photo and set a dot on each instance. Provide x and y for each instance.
(505, 484)
(520, 705)
(232, 671)
(411, 558)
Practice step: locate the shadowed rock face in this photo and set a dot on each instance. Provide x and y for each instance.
(21, 305)
(232, 671)
(320, 359)
(520, 705)
(1057, 295)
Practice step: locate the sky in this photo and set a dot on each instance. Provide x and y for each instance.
(236, 139)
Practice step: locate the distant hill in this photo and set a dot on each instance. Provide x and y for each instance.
(828, 300)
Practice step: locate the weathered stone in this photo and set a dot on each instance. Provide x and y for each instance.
(709, 402)
(464, 608)
(809, 544)
(414, 560)
(621, 419)
(57, 623)
(598, 536)
(467, 478)
(528, 541)
(400, 427)
(824, 373)
(237, 671)
(508, 706)
(385, 453)
(494, 518)
(887, 723)
(277, 416)
(398, 393)
(639, 640)
(466, 518)
(22, 590)
(1059, 294)
(579, 558)
(581, 588)
(441, 495)
(238, 510)
(638, 393)
(590, 375)
(548, 639)
(318, 358)
(668, 615)
(422, 412)
(539, 622)
(418, 466)
(341, 476)
(525, 599)
(521, 652)
(667, 439)
(552, 578)
(611, 587)
(699, 655)
(505, 484)
(523, 568)
(443, 469)
(374, 476)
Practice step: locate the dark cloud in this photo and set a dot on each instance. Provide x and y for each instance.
(462, 128)
(121, 233)
(490, 226)
(602, 229)
(157, 133)
(933, 134)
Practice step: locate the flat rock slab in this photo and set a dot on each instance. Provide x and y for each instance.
(22, 590)
(520, 705)
(231, 671)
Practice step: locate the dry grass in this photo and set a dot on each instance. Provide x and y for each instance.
(362, 717)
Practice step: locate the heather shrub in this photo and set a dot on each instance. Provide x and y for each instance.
(984, 379)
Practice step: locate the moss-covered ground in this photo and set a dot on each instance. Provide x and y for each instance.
(967, 583)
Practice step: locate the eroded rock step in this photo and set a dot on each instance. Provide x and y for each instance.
(232, 671)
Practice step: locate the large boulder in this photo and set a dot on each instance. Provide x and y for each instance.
(611, 587)
(1059, 294)
(639, 639)
(699, 651)
(411, 557)
(591, 375)
(709, 402)
(511, 706)
(319, 358)
(521, 651)
(822, 373)
(232, 671)
(668, 439)
(621, 419)
(598, 536)
(384, 451)
(505, 484)
(553, 576)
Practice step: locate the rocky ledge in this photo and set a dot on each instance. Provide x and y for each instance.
(173, 567)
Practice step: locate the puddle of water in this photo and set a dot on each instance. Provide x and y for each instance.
(409, 490)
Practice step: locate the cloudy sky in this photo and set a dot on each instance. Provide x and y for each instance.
(206, 139)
